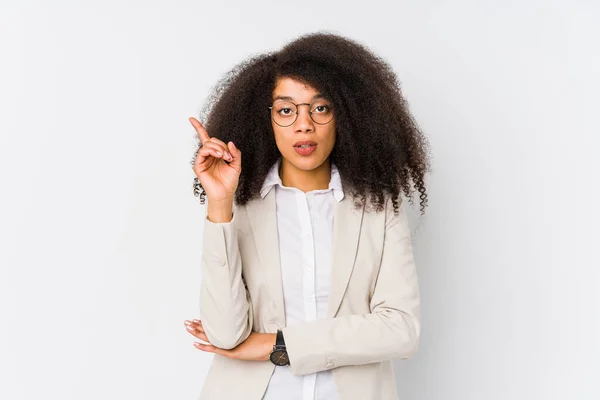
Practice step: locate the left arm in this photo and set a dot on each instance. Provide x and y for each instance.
(390, 331)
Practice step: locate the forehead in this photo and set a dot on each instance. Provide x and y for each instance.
(294, 90)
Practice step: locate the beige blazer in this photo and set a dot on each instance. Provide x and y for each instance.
(374, 304)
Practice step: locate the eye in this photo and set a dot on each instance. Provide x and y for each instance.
(284, 108)
(321, 109)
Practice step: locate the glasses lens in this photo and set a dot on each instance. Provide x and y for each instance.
(283, 113)
(321, 112)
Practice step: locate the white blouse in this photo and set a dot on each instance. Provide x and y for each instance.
(305, 227)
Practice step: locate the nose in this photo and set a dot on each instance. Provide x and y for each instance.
(304, 122)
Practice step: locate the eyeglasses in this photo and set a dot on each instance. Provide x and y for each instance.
(285, 113)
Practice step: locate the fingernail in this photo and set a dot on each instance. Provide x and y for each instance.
(219, 153)
(229, 156)
(197, 320)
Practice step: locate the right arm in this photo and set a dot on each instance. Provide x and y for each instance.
(225, 305)
(225, 308)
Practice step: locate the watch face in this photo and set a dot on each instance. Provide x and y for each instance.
(280, 357)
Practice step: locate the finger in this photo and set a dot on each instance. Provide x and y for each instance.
(205, 347)
(202, 336)
(218, 141)
(205, 152)
(201, 331)
(223, 145)
(202, 134)
(197, 333)
(193, 326)
(191, 329)
(237, 155)
(220, 148)
(212, 349)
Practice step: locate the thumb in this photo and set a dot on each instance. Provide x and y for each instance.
(236, 153)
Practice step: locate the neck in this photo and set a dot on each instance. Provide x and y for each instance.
(315, 179)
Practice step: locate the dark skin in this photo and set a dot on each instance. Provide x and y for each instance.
(257, 347)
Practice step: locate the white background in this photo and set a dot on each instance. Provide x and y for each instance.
(100, 232)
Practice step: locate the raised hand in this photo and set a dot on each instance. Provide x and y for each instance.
(218, 165)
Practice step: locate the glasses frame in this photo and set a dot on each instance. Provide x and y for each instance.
(298, 110)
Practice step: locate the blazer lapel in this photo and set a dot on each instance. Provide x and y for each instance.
(347, 222)
(262, 214)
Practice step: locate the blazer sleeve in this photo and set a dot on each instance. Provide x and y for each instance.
(392, 328)
(225, 304)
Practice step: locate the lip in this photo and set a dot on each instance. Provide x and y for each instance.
(303, 142)
(305, 151)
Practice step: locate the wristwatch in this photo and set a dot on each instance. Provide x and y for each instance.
(279, 355)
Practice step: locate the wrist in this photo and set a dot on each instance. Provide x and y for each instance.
(270, 339)
(220, 210)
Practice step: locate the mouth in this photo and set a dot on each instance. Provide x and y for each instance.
(305, 148)
(304, 144)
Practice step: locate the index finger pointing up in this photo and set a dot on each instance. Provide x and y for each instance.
(200, 129)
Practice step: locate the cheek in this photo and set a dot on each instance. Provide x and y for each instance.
(332, 137)
(282, 138)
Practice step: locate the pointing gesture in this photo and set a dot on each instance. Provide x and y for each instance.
(218, 165)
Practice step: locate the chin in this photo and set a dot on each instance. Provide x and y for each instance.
(305, 163)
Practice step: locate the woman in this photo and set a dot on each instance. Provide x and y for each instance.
(309, 287)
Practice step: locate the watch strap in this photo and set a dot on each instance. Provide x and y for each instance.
(279, 340)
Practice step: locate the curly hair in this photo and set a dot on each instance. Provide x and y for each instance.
(379, 150)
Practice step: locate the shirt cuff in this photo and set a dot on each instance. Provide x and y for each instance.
(208, 221)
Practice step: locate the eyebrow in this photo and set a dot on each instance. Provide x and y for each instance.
(288, 98)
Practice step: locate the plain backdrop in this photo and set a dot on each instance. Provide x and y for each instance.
(101, 235)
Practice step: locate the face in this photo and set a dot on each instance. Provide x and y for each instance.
(304, 128)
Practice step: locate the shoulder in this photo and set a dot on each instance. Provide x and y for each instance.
(391, 215)
(387, 209)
